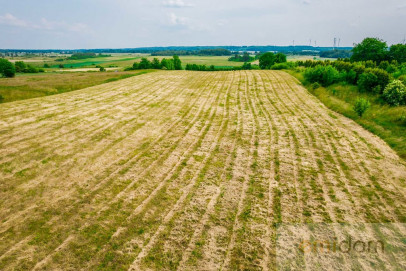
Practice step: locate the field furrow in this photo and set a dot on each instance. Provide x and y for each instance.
(179, 170)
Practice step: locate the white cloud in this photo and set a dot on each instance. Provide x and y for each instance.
(176, 20)
(9, 19)
(222, 22)
(306, 2)
(176, 4)
(43, 24)
(58, 26)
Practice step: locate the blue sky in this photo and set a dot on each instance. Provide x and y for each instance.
(74, 24)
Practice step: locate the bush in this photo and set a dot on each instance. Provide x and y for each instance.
(7, 68)
(351, 77)
(325, 75)
(246, 66)
(403, 79)
(280, 66)
(361, 105)
(367, 81)
(383, 77)
(395, 93)
(315, 86)
(20, 66)
(373, 80)
(31, 69)
(102, 69)
(1, 98)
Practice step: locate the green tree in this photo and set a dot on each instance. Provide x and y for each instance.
(156, 64)
(102, 69)
(20, 66)
(246, 66)
(164, 63)
(144, 64)
(246, 57)
(398, 52)
(167, 64)
(280, 58)
(370, 49)
(267, 60)
(7, 68)
(177, 62)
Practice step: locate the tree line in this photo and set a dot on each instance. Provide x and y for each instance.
(266, 61)
(374, 68)
(80, 55)
(202, 52)
(167, 64)
(245, 57)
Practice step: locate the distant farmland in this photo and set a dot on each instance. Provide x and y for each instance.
(186, 170)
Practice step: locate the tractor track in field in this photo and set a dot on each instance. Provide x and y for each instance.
(178, 170)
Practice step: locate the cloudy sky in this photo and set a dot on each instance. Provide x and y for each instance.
(73, 24)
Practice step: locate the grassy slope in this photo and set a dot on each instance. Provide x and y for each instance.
(38, 85)
(387, 122)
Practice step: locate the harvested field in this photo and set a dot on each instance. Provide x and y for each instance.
(186, 170)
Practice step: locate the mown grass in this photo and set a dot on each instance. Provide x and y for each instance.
(38, 85)
(389, 123)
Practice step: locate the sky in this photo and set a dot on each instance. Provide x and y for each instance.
(77, 24)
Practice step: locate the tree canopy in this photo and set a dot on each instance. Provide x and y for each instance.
(370, 49)
(7, 68)
(267, 60)
(398, 52)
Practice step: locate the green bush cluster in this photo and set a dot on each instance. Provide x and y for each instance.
(395, 93)
(283, 66)
(267, 60)
(245, 57)
(166, 64)
(7, 69)
(325, 75)
(195, 67)
(21, 67)
(367, 75)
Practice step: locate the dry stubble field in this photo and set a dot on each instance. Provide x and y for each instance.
(184, 170)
